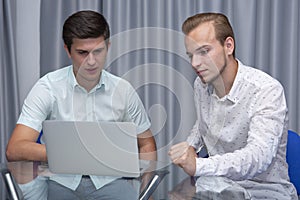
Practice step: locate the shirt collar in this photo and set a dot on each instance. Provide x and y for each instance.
(74, 83)
(233, 94)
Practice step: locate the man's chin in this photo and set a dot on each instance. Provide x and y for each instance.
(202, 79)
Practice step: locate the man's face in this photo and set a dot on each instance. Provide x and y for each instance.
(207, 55)
(88, 58)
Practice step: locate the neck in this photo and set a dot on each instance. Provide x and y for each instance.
(87, 84)
(224, 82)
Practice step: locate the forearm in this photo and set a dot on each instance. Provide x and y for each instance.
(148, 151)
(238, 165)
(25, 150)
(147, 146)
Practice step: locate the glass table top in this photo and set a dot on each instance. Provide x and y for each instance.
(164, 181)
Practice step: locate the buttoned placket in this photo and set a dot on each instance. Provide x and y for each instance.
(216, 120)
(90, 106)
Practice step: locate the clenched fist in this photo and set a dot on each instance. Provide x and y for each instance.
(184, 155)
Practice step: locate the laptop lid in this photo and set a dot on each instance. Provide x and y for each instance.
(92, 148)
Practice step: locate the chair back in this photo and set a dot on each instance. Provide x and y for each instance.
(39, 138)
(293, 158)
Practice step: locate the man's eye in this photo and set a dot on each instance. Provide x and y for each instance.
(83, 53)
(98, 51)
(203, 52)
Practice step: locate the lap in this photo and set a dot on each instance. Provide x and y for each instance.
(118, 189)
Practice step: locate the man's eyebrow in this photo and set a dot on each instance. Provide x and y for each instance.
(81, 50)
(97, 49)
(88, 51)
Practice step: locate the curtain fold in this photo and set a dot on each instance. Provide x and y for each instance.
(8, 77)
(8, 72)
(147, 49)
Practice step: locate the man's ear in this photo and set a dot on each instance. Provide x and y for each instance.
(108, 44)
(229, 45)
(67, 50)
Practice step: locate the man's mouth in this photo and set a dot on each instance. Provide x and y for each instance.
(200, 72)
(91, 70)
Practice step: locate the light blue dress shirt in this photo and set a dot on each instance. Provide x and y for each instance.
(58, 96)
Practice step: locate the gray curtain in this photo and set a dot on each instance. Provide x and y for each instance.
(8, 74)
(147, 49)
(8, 77)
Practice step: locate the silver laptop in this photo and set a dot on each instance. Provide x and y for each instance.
(92, 148)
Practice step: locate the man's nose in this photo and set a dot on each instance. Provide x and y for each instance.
(91, 59)
(196, 61)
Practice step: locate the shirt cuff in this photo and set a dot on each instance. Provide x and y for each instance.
(204, 167)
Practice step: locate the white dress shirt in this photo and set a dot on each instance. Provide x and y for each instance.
(245, 132)
(58, 96)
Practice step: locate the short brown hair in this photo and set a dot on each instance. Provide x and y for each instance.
(85, 24)
(221, 24)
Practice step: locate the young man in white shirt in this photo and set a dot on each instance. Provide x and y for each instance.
(241, 115)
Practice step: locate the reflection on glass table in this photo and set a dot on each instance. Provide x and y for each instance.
(206, 188)
(13, 191)
(28, 180)
(220, 188)
(164, 182)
